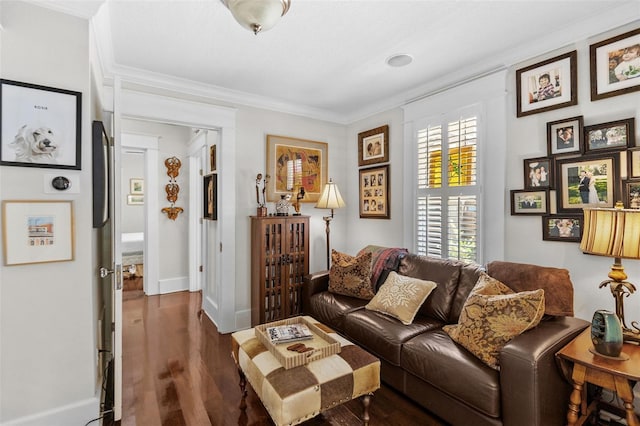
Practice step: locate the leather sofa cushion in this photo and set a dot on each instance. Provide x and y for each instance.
(331, 308)
(469, 275)
(454, 370)
(382, 334)
(445, 273)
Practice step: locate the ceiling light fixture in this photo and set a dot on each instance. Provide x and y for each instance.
(257, 15)
(399, 60)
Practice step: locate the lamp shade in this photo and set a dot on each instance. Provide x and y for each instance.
(611, 232)
(257, 15)
(330, 197)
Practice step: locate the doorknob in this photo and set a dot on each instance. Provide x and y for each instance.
(104, 272)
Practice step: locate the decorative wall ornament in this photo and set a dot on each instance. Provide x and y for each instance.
(262, 205)
(173, 165)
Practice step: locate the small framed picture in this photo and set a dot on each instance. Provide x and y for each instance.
(40, 126)
(539, 173)
(135, 200)
(37, 231)
(547, 85)
(565, 228)
(565, 136)
(136, 186)
(612, 136)
(212, 158)
(631, 190)
(373, 146)
(374, 193)
(584, 181)
(529, 202)
(210, 197)
(615, 65)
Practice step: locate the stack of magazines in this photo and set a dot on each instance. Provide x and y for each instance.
(289, 333)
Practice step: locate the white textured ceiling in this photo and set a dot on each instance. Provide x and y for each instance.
(326, 58)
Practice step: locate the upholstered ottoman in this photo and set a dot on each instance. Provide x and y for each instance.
(300, 393)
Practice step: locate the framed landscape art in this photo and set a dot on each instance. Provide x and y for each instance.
(615, 65)
(547, 85)
(295, 163)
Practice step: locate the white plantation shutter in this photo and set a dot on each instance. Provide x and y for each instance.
(447, 191)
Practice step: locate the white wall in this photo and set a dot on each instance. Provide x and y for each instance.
(47, 341)
(173, 235)
(131, 167)
(253, 126)
(527, 139)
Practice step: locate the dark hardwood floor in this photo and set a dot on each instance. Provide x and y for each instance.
(178, 370)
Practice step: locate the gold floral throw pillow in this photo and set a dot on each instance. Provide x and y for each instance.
(351, 276)
(492, 316)
(401, 297)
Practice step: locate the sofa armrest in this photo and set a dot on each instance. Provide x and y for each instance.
(312, 284)
(533, 386)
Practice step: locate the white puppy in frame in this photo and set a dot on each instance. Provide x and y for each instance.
(35, 145)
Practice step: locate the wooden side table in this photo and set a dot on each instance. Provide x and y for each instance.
(583, 366)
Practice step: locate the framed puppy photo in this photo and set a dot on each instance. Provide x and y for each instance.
(39, 126)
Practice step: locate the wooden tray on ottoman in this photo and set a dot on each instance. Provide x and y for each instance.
(323, 345)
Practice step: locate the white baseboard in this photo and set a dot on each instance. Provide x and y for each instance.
(172, 285)
(243, 319)
(78, 413)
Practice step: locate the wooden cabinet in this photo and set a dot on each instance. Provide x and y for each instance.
(279, 262)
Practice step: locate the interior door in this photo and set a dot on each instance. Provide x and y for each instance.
(109, 271)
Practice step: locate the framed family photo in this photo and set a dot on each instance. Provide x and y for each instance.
(373, 146)
(564, 137)
(40, 126)
(37, 231)
(612, 136)
(374, 193)
(615, 65)
(529, 202)
(539, 173)
(586, 181)
(547, 85)
(293, 164)
(631, 194)
(210, 197)
(565, 228)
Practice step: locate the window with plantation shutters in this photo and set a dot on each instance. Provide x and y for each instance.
(448, 194)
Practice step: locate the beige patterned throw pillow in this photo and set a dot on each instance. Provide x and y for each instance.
(351, 276)
(401, 297)
(492, 316)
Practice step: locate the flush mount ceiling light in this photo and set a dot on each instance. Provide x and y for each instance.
(257, 15)
(399, 60)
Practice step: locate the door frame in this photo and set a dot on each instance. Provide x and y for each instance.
(149, 146)
(198, 115)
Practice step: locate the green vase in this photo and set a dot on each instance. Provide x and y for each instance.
(606, 333)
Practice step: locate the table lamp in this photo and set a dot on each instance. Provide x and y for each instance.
(330, 199)
(615, 233)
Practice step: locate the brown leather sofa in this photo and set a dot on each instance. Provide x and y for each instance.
(424, 363)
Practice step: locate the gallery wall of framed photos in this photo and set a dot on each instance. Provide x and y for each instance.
(373, 176)
(591, 160)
